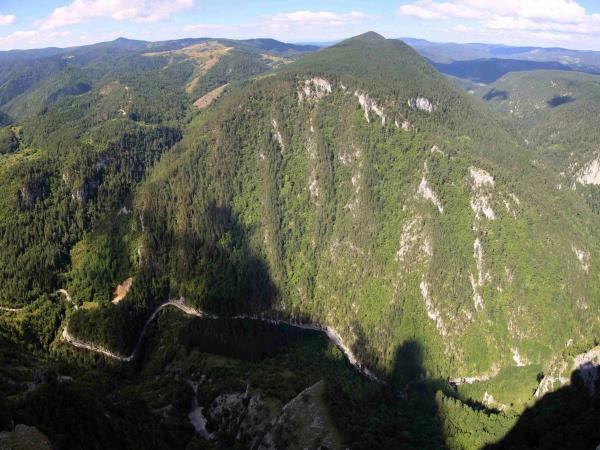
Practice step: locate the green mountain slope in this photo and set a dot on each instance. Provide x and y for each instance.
(89, 121)
(555, 114)
(32, 80)
(371, 195)
(355, 188)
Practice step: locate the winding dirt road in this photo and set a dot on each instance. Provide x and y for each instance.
(60, 291)
(4, 308)
(180, 304)
(333, 336)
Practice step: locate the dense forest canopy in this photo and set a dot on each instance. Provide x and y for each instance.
(353, 188)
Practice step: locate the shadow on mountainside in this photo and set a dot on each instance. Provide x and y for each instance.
(567, 418)
(210, 264)
(441, 416)
(403, 412)
(411, 384)
(213, 264)
(210, 261)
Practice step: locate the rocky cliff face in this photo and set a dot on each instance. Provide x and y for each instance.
(247, 417)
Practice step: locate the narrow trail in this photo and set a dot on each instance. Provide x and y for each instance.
(180, 304)
(4, 308)
(60, 291)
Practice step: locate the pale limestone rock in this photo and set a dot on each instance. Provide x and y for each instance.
(517, 358)
(427, 193)
(369, 105)
(278, 136)
(414, 237)
(583, 257)
(432, 312)
(314, 89)
(483, 183)
(421, 103)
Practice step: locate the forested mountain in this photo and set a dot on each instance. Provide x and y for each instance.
(355, 189)
(330, 221)
(555, 113)
(489, 70)
(31, 80)
(446, 52)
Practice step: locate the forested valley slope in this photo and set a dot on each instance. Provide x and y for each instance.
(353, 189)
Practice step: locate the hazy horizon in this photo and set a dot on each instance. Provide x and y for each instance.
(314, 42)
(63, 23)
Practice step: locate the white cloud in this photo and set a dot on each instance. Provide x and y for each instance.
(130, 10)
(211, 27)
(317, 18)
(461, 28)
(7, 19)
(548, 20)
(308, 25)
(445, 10)
(562, 11)
(80, 11)
(31, 37)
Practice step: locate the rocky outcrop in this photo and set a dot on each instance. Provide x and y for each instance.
(196, 415)
(121, 290)
(583, 257)
(427, 193)
(482, 185)
(85, 191)
(277, 134)
(432, 312)
(421, 103)
(482, 276)
(590, 174)
(88, 187)
(517, 358)
(262, 423)
(586, 365)
(313, 186)
(304, 422)
(314, 89)
(370, 106)
(240, 416)
(31, 192)
(489, 401)
(24, 437)
(415, 244)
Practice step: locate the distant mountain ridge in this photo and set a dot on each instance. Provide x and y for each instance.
(267, 44)
(447, 53)
(275, 46)
(489, 70)
(34, 78)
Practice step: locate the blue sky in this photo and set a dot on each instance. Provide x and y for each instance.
(40, 23)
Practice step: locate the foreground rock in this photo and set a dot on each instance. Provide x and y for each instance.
(24, 437)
